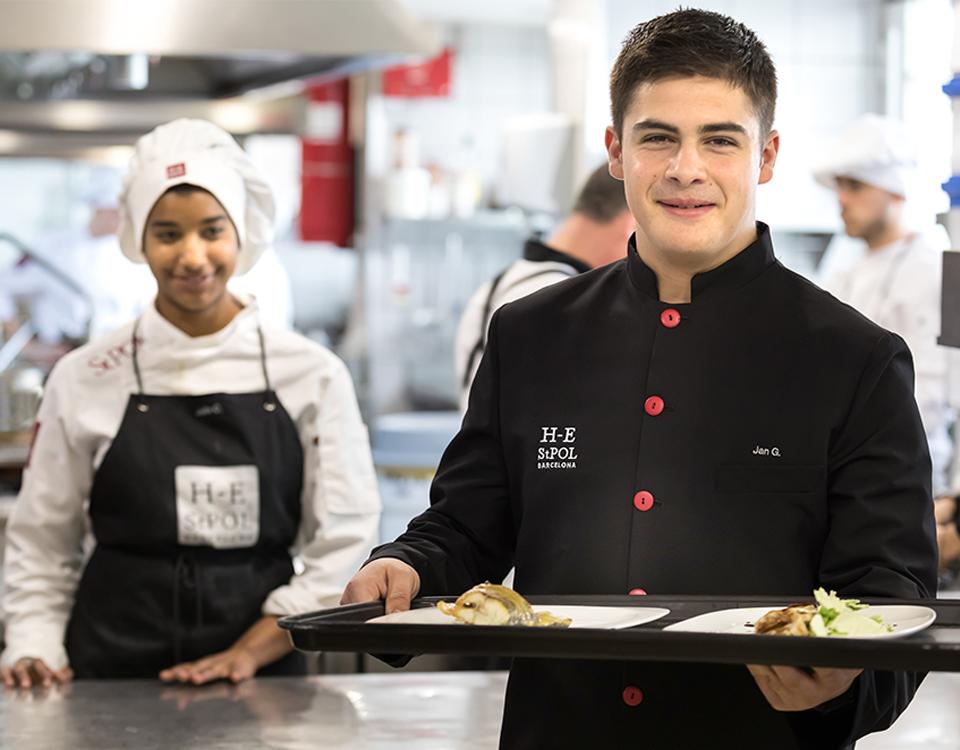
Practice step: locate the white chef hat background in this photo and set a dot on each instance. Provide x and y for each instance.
(103, 186)
(873, 149)
(197, 152)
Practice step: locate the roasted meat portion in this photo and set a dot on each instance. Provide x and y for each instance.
(492, 604)
(792, 620)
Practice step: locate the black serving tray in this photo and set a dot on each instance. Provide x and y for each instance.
(936, 649)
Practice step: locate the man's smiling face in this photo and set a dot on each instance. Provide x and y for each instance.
(691, 157)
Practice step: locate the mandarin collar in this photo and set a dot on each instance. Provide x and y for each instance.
(536, 251)
(160, 331)
(740, 269)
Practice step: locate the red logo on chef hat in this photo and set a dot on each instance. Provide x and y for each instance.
(176, 170)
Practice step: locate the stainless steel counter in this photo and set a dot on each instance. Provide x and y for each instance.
(426, 711)
(398, 710)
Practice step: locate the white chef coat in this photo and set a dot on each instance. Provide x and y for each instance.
(83, 406)
(522, 277)
(898, 288)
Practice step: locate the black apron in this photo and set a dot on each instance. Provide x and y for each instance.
(194, 510)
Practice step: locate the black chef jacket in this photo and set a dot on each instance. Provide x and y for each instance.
(762, 439)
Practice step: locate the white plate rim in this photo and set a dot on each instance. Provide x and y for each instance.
(651, 614)
(927, 612)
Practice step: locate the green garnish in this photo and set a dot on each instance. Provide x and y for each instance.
(843, 617)
(828, 614)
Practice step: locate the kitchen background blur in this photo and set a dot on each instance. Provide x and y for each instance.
(412, 146)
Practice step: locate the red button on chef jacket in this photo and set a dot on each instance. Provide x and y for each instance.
(632, 695)
(643, 500)
(670, 318)
(653, 406)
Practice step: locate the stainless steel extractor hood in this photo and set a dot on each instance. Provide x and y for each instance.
(116, 68)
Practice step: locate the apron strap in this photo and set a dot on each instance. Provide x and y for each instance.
(477, 351)
(895, 268)
(142, 405)
(891, 276)
(269, 401)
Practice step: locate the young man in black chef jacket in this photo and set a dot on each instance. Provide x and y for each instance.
(732, 430)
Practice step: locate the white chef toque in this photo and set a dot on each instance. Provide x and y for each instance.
(875, 150)
(196, 152)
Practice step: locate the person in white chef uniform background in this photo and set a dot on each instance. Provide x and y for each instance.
(895, 278)
(198, 444)
(117, 291)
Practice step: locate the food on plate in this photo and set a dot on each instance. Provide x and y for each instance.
(830, 616)
(492, 604)
(792, 620)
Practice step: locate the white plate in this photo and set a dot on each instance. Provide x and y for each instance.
(905, 619)
(610, 618)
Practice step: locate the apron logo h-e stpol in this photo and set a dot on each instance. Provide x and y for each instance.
(218, 506)
(558, 448)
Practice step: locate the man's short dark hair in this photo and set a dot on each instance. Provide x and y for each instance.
(689, 43)
(602, 197)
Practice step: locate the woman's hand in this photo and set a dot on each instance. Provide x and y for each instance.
(29, 672)
(235, 664)
(262, 644)
(945, 509)
(948, 540)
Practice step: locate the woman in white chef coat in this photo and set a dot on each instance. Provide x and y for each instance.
(196, 445)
